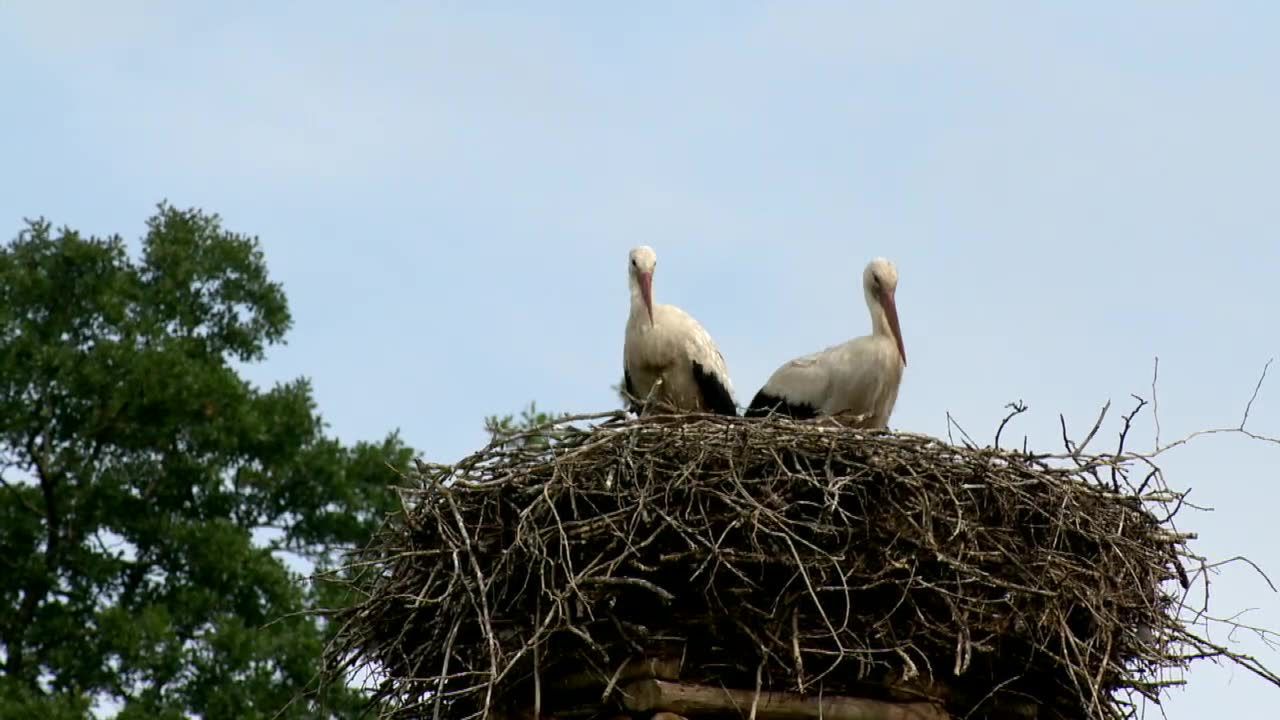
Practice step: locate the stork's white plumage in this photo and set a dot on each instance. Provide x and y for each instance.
(858, 379)
(666, 347)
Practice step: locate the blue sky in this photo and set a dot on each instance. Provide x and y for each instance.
(448, 191)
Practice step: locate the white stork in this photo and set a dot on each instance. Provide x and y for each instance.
(665, 347)
(859, 378)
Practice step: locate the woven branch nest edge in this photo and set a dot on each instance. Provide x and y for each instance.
(774, 554)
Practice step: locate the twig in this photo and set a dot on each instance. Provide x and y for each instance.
(1155, 402)
(1256, 388)
(951, 422)
(1094, 431)
(1016, 408)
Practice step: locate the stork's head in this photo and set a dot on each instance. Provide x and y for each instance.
(880, 283)
(642, 262)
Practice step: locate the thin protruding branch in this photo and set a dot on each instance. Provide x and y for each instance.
(1256, 389)
(1015, 409)
(1094, 431)
(1155, 401)
(952, 422)
(1233, 430)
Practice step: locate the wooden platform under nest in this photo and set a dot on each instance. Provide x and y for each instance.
(651, 689)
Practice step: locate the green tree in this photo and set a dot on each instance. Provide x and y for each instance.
(150, 497)
(520, 432)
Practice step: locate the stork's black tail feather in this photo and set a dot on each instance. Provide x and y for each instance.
(714, 393)
(765, 404)
(629, 392)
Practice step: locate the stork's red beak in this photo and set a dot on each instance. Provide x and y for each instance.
(891, 312)
(646, 291)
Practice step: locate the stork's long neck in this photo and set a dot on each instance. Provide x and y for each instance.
(637, 300)
(885, 327)
(638, 310)
(879, 320)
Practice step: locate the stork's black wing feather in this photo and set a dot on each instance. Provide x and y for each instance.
(764, 404)
(714, 394)
(630, 389)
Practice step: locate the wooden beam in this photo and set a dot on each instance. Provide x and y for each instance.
(634, 669)
(689, 700)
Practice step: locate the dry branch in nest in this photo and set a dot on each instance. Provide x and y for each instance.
(559, 572)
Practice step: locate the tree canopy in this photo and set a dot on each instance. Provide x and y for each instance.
(155, 505)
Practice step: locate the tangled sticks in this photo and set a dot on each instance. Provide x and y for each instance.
(776, 556)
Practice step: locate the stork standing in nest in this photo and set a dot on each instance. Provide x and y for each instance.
(857, 380)
(668, 358)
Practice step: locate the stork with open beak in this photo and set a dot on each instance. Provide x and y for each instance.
(668, 358)
(857, 380)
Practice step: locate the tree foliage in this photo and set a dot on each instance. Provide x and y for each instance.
(514, 431)
(156, 509)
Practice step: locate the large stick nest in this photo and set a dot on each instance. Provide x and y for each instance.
(779, 555)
